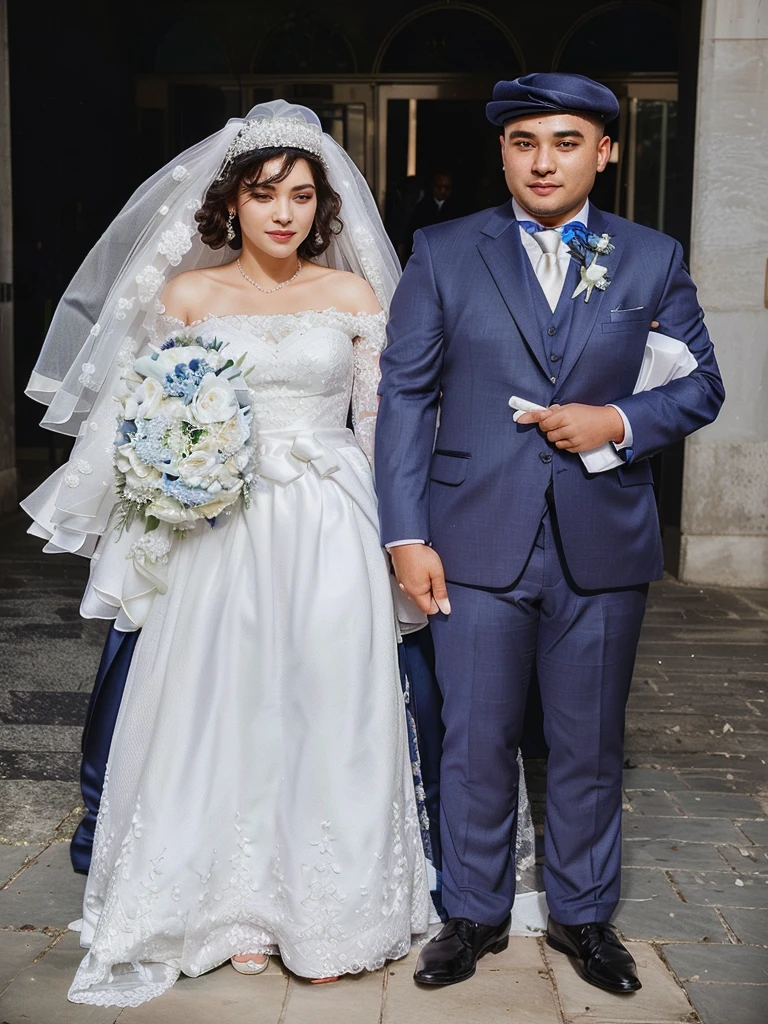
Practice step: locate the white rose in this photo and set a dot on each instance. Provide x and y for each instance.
(149, 396)
(227, 479)
(174, 409)
(169, 510)
(196, 469)
(135, 483)
(130, 408)
(127, 460)
(233, 434)
(215, 401)
(214, 507)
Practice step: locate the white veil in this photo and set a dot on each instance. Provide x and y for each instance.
(109, 309)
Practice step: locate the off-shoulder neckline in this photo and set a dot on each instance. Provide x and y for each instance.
(331, 310)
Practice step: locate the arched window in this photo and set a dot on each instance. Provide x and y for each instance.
(621, 37)
(305, 45)
(460, 39)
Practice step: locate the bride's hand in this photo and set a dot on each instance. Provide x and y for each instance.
(419, 573)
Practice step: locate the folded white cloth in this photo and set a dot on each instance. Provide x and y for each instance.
(664, 360)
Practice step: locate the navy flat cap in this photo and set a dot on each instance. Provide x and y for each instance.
(550, 93)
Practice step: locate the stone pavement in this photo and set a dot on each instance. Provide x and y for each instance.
(695, 890)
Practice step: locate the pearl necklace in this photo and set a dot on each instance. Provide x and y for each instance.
(268, 291)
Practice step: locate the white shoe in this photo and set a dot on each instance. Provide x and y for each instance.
(250, 966)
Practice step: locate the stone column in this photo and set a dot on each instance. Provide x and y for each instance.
(7, 405)
(725, 485)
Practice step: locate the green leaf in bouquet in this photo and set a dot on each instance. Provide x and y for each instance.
(152, 523)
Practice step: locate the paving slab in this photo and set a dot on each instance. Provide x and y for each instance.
(40, 737)
(755, 831)
(724, 1004)
(735, 964)
(14, 857)
(219, 997)
(55, 766)
(718, 782)
(17, 951)
(693, 830)
(751, 926)
(722, 888)
(651, 779)
(45, 707)
(665, 853)
(645, 883)
(661, 917)
(653, 802)
(744, 859)
(46, 894)
(31, 810)
(39, 993)
(513, 987)
(717, 805)
(354, 998)
(659, 1001)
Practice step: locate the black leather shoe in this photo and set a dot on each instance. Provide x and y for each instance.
(603, 961)
(453, 954)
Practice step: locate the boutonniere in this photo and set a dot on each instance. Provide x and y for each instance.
(585, 247)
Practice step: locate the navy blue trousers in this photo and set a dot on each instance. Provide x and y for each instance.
(97, 738)
(582, 646)
(417, 662)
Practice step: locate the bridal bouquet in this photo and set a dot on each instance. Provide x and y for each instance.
(183, 448)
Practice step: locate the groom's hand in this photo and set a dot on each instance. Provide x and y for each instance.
(420, 574)
(578, 428)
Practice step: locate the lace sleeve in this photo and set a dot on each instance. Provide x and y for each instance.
(369, 345)
(161, 327)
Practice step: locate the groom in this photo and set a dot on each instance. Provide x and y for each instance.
(547, 566)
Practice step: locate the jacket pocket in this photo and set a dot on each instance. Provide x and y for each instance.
(449, 467)
(622, 319)
(635, 473)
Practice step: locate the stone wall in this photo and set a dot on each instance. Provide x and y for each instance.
(725, 497)
(7, 449)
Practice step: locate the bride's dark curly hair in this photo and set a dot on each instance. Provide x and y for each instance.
(244, 174)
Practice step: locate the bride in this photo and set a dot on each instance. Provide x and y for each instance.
(259, 796)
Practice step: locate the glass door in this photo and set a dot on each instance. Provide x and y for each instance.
(646, 182)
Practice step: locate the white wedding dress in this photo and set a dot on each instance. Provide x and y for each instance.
(259, 794)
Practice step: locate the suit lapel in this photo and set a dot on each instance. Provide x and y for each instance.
(585, 313)
(505, 258)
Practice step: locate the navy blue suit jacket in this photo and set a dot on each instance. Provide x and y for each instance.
(465, 333)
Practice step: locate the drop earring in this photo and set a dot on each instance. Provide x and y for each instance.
(230, 228)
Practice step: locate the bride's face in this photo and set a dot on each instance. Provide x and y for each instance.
(276, 216)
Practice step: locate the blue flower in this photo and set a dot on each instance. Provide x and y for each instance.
(125, 430)
(149, 443)
(188, 496)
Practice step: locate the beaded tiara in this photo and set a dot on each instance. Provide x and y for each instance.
(275, 133)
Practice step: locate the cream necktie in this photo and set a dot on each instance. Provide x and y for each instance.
(549, 270)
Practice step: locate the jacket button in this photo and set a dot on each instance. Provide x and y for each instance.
(551, 331)
(554, 358)
(546, 457)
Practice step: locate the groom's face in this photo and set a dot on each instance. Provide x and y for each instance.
(550, 163)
